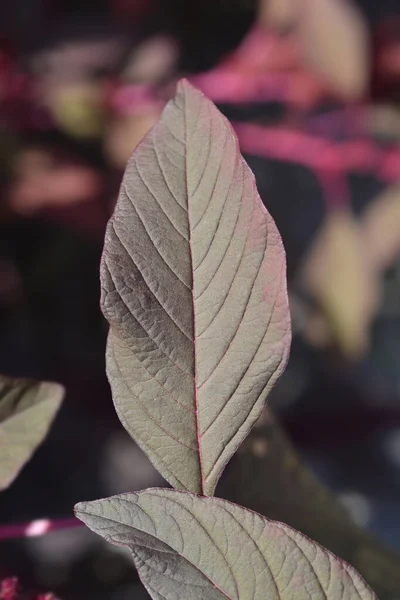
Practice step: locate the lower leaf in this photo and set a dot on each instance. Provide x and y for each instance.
(196, 548)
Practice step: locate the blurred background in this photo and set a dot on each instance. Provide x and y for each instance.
(312, 88)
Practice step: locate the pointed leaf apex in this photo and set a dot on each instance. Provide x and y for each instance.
(184, 86)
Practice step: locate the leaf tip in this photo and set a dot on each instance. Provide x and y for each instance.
(53, 395)
(185, 87)
(82, 512)
(80, 509)
(57, 392)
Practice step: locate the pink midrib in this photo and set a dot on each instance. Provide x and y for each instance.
(196, 390)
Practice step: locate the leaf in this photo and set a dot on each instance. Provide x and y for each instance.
(381, 228)
(63, 185)
(125, 132)
(193, 285)
(153, 61)
(27, 409)
(198, 548)
(383, 122)
(278, 14)
(77, 109)
(339, 274)
(334, 38)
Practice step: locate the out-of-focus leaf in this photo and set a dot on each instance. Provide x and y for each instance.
(77, 109)
(185, 546)
(383, 121)
(262, 51)
(27, 409)
(278, 14)
(381, 228)
(75, 61)
(40, 180)
(342, 279)
(153, 60)
(125, 132)
(194, 287)
(334, 39)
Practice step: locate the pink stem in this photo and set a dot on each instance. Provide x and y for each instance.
(36, 528)
(334, 187)
(361, 155)
(222, 85)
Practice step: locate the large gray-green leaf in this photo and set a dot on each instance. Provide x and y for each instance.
(27, 409)
(194, 287)
(188, 547)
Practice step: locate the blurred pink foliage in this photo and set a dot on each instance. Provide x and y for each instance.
(10, 589)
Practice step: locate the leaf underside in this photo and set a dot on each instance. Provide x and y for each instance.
(194, 286)
(198, 548)
(27, 409)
